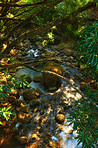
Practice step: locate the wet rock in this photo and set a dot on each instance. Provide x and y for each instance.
(44, 101)
(38, 78)
(12, 99)
(34, 102)
(47, 105)
(33, 144)
(35, 110)
(22, 139)
(39, 91)
(60, 118)
(51, 80)
(29, 94)
(49, 53)
(19, 72)
(70, 131)
(23, 108)
(33, 138)
(24, 117)
(42, 111)
(77, 78)
(67, 74)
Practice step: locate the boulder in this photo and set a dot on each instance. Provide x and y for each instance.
(60, 118)
(38, 78)
(29, 94)
(51, 80)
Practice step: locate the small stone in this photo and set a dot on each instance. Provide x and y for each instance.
(23, 108)
(35, 110)
(47, 105)
(34, 102)
(46, 100)
(41, 111)
(39, 91)
(60, 118)
(24, 117)
(70, 131)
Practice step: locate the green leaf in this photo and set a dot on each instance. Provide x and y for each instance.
(1, 123)
(8, 108)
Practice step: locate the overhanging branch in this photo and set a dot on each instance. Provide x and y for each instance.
(22, 5)
(68, 19)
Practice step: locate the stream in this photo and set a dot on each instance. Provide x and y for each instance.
(60, 134)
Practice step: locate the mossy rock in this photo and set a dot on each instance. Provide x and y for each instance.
(34, 102)
(51, 80)
(29, 94)
(38, 78)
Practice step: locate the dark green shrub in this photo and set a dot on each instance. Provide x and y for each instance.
(87, 49)
(84, 119)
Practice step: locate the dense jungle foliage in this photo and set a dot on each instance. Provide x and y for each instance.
(74, 20)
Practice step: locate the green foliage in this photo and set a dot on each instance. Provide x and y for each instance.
(6, 113)
(5, 90)
(21, 82)
(85, 120)
(87, 49)
(5, 87)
